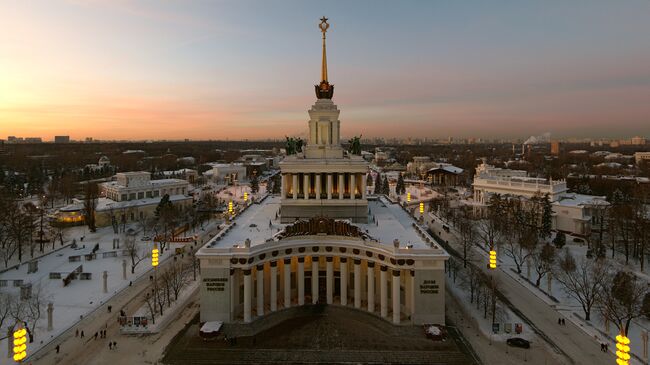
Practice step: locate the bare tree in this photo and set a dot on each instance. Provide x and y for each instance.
(468, 235)
(179, 277)
(622, 300)
(150, 300)
(91, 193)
(134, 251)
(6, 303)
(543, 260)
(583, 280)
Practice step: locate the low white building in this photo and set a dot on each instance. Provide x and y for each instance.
(226, 171)
(490, 180)
(138, 185)
(641, 156)
(574, 213)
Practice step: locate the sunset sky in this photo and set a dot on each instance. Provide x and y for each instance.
(113, 69)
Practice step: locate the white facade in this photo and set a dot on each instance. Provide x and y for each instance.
(489, 180)
(572, 213)
(641, 156)
(221, 171)
(138, 185)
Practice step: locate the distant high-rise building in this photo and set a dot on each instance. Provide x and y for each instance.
(555, 148)
(33, 140)
(636, 140)
(61, 139)
(89, 139)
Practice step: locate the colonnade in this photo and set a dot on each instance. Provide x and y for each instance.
(324, 185)
(260, 286)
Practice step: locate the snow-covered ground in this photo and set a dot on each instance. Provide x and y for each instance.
(569, 306)
(80, 297)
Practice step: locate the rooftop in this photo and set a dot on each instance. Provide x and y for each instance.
(259, 224)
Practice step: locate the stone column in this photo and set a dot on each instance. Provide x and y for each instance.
(301, 280)
(306, 185)
(329, 280)
(364, 186)
(50, 309)
(412, 294)
(357, 283)
(260, 290)
(353, 185)
(233, 288)
(329, 186)
(295, 186)
(371, 286)
(341, 184)
(274, 286)
(247, 295)
(344, 280)
(287, 282)
(123, 269)
(318, 185)
(397, 310)
(105, 276)
(314, 279)
(383, 293)
(283, 189)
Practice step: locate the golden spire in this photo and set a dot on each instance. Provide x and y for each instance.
(323, 28)
(324, 90)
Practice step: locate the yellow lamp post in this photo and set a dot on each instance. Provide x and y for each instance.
(154, 256)
(408, 197)
(246, 196)
(421, 208)
(493, 259)
(20, 344)
(230, 207)
(622, 350)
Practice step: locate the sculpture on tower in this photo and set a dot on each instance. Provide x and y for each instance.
(324, 90)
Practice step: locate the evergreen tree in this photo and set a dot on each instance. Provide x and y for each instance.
(400, 187)
(255, 184)
(165, 204)
(385, 188)
(547, 217)
(378, 184)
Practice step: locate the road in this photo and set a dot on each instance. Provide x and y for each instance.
(74, 350)
(580, 347)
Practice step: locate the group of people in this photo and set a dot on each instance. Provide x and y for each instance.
(561, 322)
(604, 347)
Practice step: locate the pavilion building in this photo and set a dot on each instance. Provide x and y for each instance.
(323, 240)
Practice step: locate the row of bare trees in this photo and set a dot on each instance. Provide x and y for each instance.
(27, 311)
(166, 287)
(24, 228)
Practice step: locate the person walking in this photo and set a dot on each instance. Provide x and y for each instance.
(76, 333)
(82, 334)
(110, 345)
(114, 345)
(58, 347)
(96, 335)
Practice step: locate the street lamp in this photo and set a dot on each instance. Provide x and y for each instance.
(154, 256)
(230, 207)
(493, 259)
(20, 344)
(622, 349)
(408, 197)
(246, 197)
(421, 208)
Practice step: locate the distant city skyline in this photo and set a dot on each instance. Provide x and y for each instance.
(123, 70)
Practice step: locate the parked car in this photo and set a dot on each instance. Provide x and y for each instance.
(518, 342)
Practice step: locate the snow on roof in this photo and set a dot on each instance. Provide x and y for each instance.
(578, 200)
(105, 203)
(448, 168)
(392, 223)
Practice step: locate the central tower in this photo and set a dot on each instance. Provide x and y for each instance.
(324, 180)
